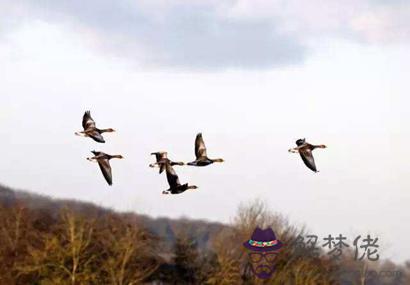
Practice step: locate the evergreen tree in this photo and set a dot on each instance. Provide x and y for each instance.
(187, 269)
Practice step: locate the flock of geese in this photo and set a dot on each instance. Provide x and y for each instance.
(164, 163)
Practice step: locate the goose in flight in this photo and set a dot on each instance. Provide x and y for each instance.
(103, 161)
(200, 152)
(305, 150)
(162, 159)
(175, 186)
(90, 129)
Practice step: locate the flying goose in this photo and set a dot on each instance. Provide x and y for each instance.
(162, 159)
(175, 186)
(200, 153)
(90, 129)
(103, 160)
(305, 151)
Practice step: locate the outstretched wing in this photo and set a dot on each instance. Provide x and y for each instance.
(307, 157)
(159, 155)
(96, 136)
(161, 167)
(96, 153)
(300, 142)
(200, 149)
(106, 170)
(172, 177)
(88, 122)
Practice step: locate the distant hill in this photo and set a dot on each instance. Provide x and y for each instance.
(165, 228)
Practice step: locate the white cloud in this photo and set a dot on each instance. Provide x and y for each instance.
(384, 24)
(216, 34)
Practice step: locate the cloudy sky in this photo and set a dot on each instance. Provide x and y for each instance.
(253, 76)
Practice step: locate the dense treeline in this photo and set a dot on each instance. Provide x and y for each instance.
(43, 241)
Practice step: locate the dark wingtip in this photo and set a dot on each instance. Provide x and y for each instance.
(300, 141)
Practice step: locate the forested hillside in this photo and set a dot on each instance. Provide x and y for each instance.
(47, 241)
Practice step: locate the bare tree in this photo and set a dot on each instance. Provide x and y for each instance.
(129, 252)
(64, 255)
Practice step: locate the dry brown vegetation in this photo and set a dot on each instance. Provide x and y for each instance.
(64, 242)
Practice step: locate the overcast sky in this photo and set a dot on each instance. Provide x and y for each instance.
(252, 76)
